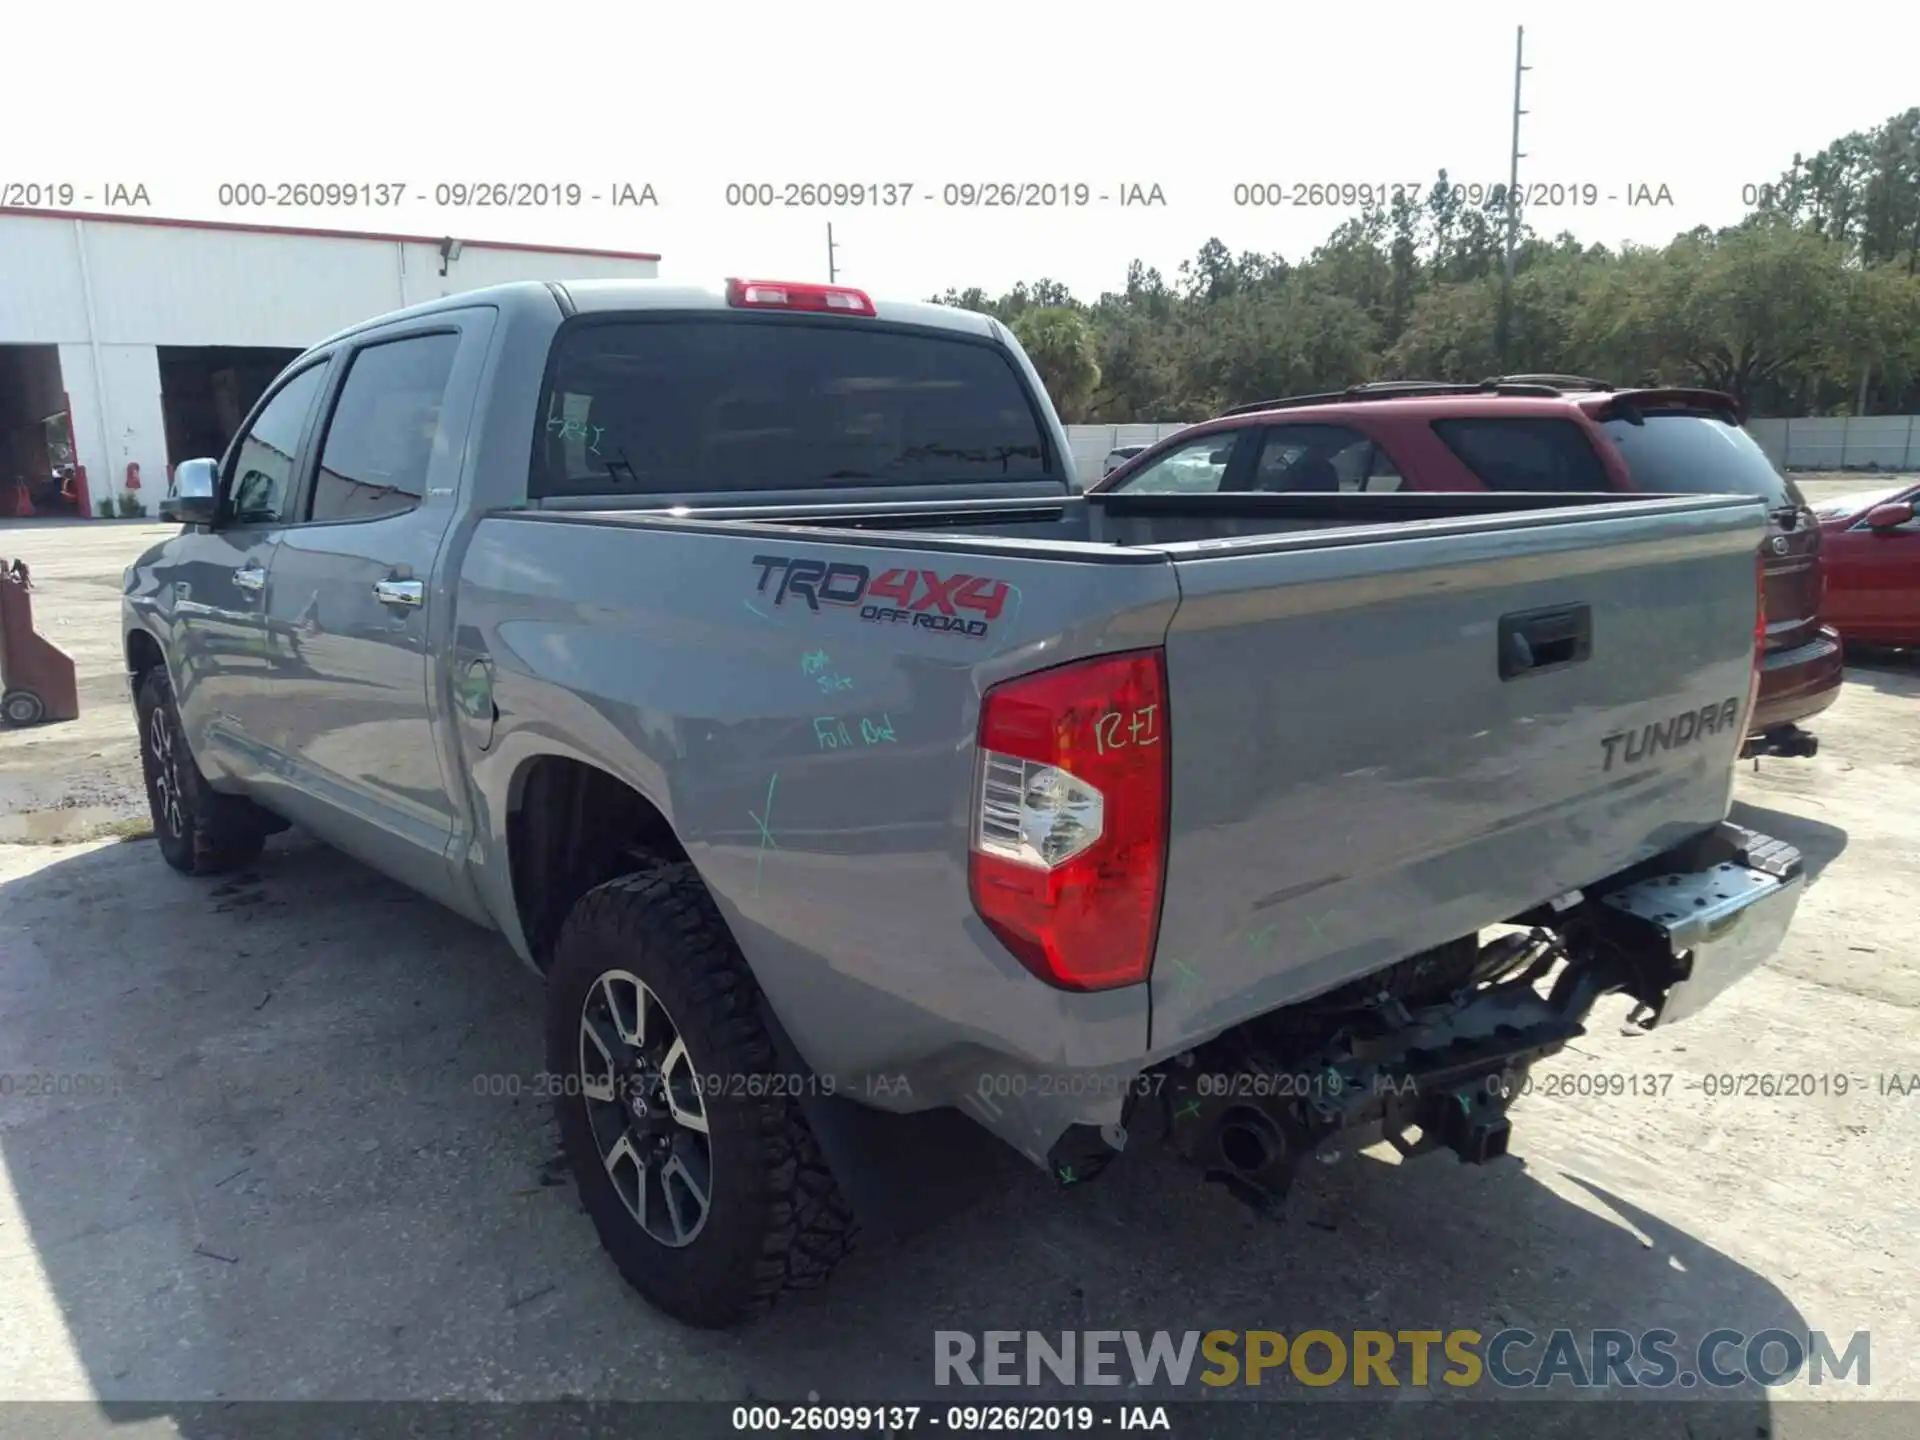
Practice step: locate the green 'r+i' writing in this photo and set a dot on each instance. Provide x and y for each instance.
(577, 430)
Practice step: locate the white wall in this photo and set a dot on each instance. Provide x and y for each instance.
(478, 267)
(1090, 444)
(90, 444)
(1839, 442)
(168, 285)
(128, 428)
(154, 285)
(40, 296)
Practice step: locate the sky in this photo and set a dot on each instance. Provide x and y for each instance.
(1192, 99)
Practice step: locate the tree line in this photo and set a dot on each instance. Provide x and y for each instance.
(1810, 305)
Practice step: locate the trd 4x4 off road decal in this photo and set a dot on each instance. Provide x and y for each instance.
(924, 599)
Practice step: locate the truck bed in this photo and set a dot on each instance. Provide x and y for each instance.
(1354, 778)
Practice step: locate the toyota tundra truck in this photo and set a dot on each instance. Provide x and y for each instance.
(869, 799)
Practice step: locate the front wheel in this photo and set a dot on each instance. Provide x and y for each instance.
(697, 1167)
(200, 831)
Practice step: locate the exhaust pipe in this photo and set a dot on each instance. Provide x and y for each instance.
(1785, 742)
(1250, 1156)
(1249, 1142)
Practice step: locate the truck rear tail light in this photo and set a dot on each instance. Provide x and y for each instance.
(1069, 847)
(785, 295)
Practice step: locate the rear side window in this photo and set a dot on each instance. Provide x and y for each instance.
(1525, 452)
(698, 404)
(380, 440)
(1695, 453)
(1321, 459)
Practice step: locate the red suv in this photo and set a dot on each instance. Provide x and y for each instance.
(1532, 433)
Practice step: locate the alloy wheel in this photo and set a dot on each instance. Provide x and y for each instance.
(646, 1108)
(166, 771)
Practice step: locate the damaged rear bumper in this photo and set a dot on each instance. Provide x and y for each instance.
(1673, 934)
(1716, 925)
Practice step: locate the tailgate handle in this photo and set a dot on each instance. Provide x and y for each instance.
(1535, 640)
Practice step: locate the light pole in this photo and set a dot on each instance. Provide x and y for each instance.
(1504, 324)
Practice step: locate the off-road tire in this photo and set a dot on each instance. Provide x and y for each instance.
(777, 1220)
(215, 832)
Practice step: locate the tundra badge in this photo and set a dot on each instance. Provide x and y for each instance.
(1633, 746)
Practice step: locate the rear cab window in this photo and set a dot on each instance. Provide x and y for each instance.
(1696, 452)
(1520, 453)
(700, 403)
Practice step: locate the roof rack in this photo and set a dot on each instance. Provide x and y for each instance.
(1546, 386)
(1374, 390)
(1554, 382)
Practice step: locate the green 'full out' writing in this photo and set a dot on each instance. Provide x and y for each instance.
(833, 733)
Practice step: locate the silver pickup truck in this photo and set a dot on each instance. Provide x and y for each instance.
(871, 802)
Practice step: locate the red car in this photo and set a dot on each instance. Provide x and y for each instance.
(1870, 551)
(1533, 433)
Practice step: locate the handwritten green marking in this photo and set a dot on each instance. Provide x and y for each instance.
(577, 430)
(1189, 1111)
(1067, 1176)
(832, 733)
(1188, 975)
(815, 663)
(766, 835)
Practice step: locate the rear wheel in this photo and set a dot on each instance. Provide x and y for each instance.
(694, 1162)
(200, 831)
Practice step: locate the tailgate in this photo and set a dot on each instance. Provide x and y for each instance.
(1384, 739)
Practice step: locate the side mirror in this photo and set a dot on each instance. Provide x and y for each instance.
(1890, 517)
(194, 496)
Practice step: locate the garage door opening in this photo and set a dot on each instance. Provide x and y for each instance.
(206, 391)
(36, 434)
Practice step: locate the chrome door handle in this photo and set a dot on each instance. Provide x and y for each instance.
(250, 578)
(400, 592)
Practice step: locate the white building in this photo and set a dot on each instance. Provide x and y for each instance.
(133, 341)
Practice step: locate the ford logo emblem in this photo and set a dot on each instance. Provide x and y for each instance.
(1779, 544)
